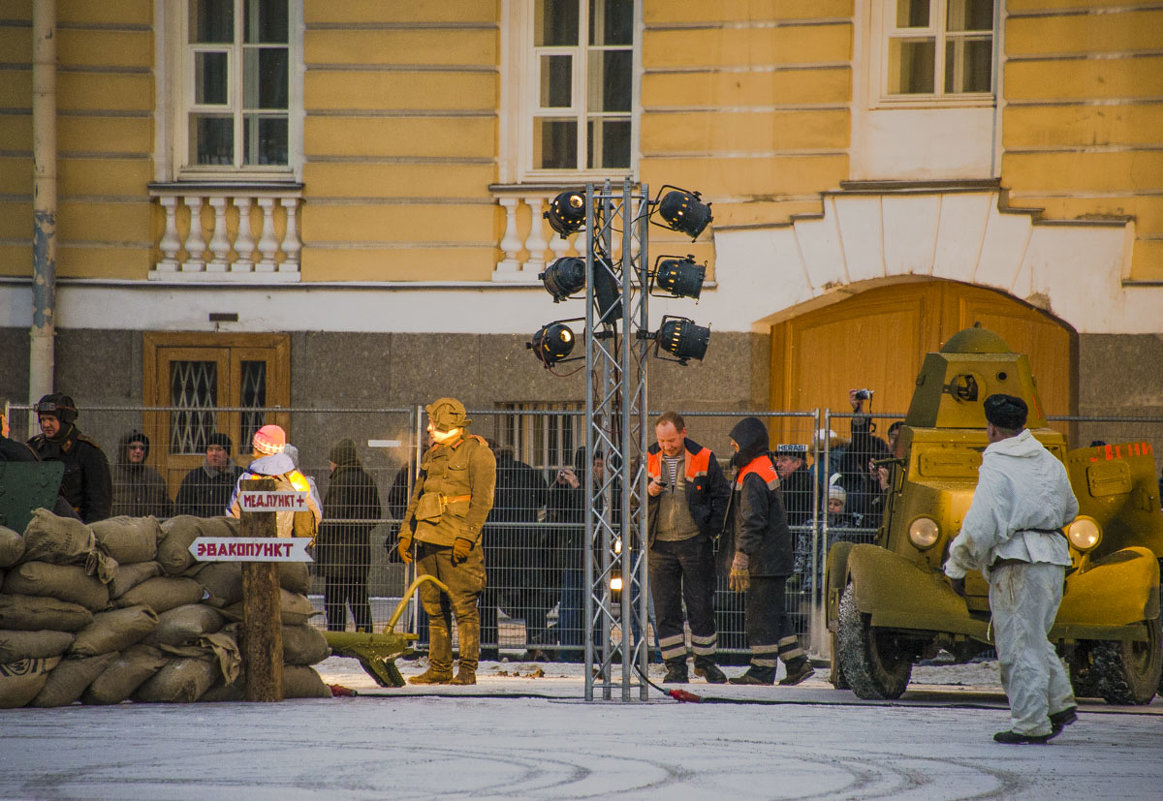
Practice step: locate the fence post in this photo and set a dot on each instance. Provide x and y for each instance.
(262, 625)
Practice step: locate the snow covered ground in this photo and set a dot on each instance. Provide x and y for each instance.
(524, 732)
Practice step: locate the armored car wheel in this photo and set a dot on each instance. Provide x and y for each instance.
(1129, 672)
(873, 661)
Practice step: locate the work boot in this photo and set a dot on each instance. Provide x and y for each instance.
(1060, 720)
(433, 675)
(763, 676)
(464, 676)
(797, 672)
(675, 672)
(710, 671)
(1017, 738)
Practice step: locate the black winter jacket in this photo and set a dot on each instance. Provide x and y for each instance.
(87, 485)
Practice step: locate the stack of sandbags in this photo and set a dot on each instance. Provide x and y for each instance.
(121, 610)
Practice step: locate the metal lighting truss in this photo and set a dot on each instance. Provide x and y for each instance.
(617, 343)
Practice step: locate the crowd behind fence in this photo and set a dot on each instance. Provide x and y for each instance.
(529, 541)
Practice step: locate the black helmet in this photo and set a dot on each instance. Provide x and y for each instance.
(59, 405)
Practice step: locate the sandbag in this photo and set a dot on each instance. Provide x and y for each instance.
(11, 547)
(20, 681)
(304, 645)
(223, 582)
(303, 682)
(185, 624)
(296, 609)
(65, 582)
(70, 678)
(295, 577)
(36, 612)
(115, 630)
(17, 645)
(223, 647)
(225, 691)
(128, 539)
(130, 575)
(179, 532)
(163, 593)
(124, 674)
(60, 540)
(183, 680)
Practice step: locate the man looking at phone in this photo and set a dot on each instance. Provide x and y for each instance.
(687, 501)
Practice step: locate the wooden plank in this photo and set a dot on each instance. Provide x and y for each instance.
(262, 628)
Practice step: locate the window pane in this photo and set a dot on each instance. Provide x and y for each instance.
(556, 81)
(609, 81)
(210, 78)
(555, 23)
(611, 22)
(266, 21)
(610, 140)
(211, 21)
(194, 389)
(253, 393)
(265, 79)
(555, 144)
(911, 65)
(266, 140)
(968, 65)
(969, 15)
(912, 13)
(211, 139)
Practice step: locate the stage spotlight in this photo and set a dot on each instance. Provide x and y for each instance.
(683, 211)
(567, 213)
(680, 278)
(683, 338)
(564, 277)
(552, 343)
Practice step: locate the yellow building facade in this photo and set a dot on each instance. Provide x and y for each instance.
(377, 171)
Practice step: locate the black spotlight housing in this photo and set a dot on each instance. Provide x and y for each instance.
(567, 213)
(679, 278)
(564, 277)
(684, 211)
(683, 338)
(552, 343)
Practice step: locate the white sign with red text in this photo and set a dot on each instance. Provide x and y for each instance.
(251, 549)
(272, 501)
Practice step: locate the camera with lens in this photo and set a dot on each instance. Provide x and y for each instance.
(864, 394)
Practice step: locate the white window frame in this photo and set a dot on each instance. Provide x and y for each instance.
(884, 30)
(175, 77)
(520, 97)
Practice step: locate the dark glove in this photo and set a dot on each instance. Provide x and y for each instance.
(460, 550)
(958, 585)
(740, 577)
(405, 547)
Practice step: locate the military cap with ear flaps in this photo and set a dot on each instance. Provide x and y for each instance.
(446, 414)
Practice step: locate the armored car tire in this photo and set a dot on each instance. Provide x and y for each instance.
(872, 661)
(1129, 672)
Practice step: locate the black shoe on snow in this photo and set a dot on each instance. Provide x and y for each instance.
(1060, 720)
(751, 678)
(676, 674)
(1017, 738)
(711, 673)
(796, 675)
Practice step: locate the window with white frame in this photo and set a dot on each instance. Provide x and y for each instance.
(580, 86)
(938, 49)
(238, 91)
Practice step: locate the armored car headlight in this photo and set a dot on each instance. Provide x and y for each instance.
(924, 532)
(1084, 533)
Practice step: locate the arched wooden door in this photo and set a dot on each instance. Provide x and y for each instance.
(879, 338)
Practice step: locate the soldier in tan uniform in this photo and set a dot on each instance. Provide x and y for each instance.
(448, 507)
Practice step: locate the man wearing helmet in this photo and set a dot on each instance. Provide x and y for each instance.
(86, 485)
(448, 506)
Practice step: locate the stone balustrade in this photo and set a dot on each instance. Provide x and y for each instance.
(228, 232)
(528, 243)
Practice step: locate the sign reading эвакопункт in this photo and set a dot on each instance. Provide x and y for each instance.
(251, 549)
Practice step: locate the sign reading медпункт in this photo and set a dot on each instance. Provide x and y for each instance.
(272, 501)
(250, 549)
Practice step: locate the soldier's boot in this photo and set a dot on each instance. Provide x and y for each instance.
(439, 655)
(676, 671)
(710, 671)
(468, 635)
(796, 661)
(464, 676)
(755, 675)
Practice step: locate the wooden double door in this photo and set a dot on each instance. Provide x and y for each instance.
(878, 339)
(211, 383)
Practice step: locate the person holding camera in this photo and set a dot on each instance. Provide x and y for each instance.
(687, 501)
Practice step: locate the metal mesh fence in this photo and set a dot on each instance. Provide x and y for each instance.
(533, 539)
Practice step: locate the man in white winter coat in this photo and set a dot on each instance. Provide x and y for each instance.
(1012, 534)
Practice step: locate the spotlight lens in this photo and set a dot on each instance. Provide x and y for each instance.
(552, 343)
(567, 213)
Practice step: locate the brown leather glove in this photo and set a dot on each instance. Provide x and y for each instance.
(405, 547)
(740, 577)
(460, 550)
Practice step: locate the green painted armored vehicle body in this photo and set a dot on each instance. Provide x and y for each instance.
(889, 604)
